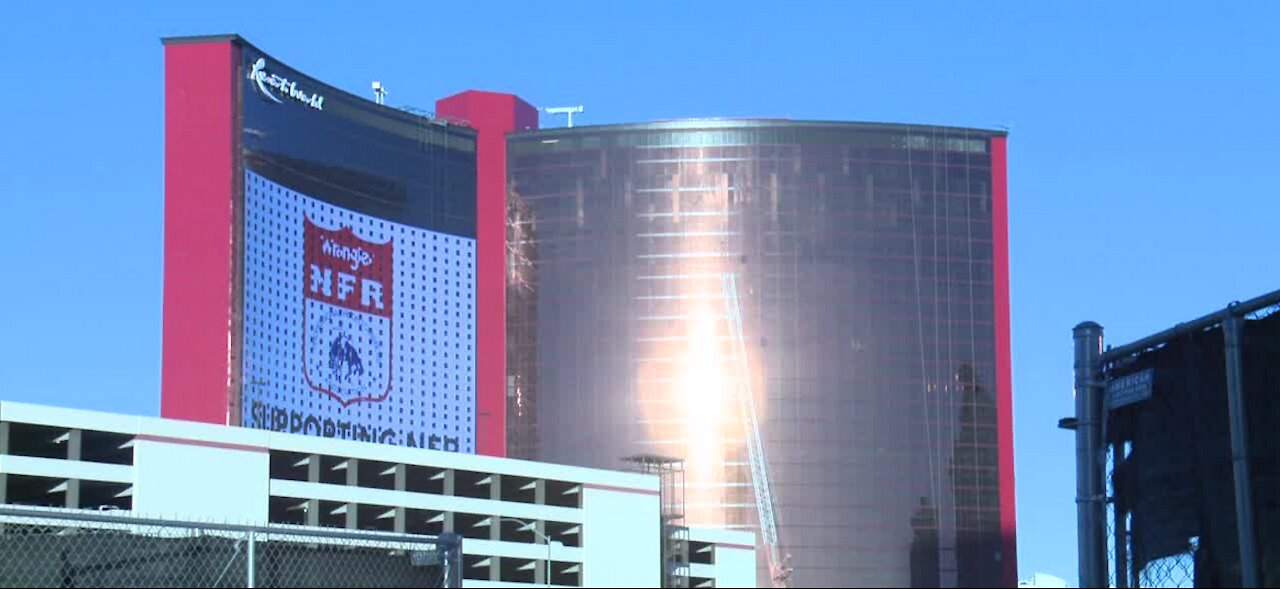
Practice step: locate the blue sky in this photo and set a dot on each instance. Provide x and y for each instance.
(1143, 148)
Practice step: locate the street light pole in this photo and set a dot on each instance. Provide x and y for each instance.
(545, 539)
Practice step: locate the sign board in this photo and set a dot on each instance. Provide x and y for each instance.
(1130, 388)
(425, 558)
(355, 327)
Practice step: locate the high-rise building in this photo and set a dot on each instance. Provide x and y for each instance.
(867, 265)
(320, 258)
(468, 283)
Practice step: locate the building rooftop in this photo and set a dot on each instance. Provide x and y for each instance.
(699, 124)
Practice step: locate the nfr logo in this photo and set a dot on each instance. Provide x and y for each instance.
(346, 318)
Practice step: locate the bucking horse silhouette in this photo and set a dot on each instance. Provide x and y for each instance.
(344, 360)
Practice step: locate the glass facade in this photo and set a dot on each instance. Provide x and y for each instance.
(860, 260)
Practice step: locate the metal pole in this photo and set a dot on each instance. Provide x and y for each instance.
(1232, 328)
(450, 547)
(252, 560)
(1121, 528)
(455, 571)
(1090, 494)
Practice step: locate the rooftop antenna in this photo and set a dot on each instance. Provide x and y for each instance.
(564, 110)
(379, 93)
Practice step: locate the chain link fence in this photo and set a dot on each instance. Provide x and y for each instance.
(1176, 565)
(1172, 571)
(42, 547)
(1176, 570)
(1186, 495)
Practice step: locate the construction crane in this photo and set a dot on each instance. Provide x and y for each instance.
(779, 565)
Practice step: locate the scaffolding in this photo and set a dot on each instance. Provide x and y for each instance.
(674, 530)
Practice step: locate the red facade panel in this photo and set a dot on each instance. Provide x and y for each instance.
(1004, 360)
(198, 236)
(493, 115)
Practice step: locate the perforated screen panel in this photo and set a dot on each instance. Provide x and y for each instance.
(355, 327)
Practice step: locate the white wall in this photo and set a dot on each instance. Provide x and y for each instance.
(200, 483)
(735, 567)
(621, 539)
(735, 556)
(202, 472)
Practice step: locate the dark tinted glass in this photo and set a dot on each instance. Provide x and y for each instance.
(359, 155)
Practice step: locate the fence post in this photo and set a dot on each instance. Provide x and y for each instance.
(1232, 327)
(1090, 460)
(449, 546)
(253, 559)
(1120, 525)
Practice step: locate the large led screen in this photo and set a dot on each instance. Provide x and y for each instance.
(358, 277)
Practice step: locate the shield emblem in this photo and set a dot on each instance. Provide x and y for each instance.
(346, 314)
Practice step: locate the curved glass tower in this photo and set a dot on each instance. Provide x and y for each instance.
(869, 265)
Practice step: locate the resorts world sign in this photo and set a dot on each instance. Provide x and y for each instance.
(270, 84)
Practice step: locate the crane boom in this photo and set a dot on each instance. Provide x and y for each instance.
(779, 568)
